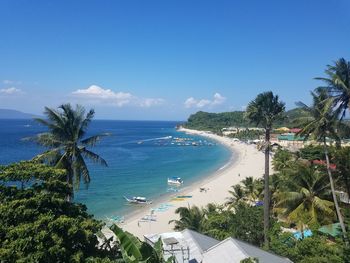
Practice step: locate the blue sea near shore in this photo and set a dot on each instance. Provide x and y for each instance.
(140, 156)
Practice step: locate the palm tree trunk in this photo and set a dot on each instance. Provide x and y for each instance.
(69, 180)
(340, 217)
(266, 188)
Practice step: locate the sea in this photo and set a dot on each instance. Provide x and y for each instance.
(141, 155)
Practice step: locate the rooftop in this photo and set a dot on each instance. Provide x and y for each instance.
(190, 246)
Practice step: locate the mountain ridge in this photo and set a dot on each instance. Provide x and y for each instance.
(15, 114)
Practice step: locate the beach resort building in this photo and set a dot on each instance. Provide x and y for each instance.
(189, 246)
(234, 130)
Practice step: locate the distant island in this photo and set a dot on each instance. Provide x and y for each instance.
(14, 114)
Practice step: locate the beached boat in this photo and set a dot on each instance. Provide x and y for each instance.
(175, 180)
(138, 200)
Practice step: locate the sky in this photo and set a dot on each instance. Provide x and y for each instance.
(166, 59)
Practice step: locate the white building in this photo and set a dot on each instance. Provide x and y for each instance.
(189, 246)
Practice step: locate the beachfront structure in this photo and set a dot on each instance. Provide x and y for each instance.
(189, 246)
(289, 140)
(234, 130)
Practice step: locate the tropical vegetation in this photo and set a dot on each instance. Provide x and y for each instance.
(305, 183)
(40, 223)
(67, 143)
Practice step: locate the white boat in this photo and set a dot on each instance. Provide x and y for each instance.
(138, 200)
(175, 180)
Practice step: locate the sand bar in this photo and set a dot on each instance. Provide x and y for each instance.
(246, 161)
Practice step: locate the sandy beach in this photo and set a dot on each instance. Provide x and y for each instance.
(246, 161)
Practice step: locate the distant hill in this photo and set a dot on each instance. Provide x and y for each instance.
(216, 121)
(14, 114)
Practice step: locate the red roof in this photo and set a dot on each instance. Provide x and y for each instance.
(321, 162)
(295, 130)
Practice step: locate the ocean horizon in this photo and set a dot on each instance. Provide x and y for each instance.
(141, 155)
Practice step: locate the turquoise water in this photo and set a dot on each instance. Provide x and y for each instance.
(140, 158)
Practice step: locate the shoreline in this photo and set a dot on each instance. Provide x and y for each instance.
(166, 196)
(218, 184)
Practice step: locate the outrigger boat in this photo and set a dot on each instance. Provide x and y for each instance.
(175, 180)
(138, 200)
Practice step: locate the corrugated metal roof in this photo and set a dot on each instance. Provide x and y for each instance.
(262, 255)
(206, 249)
(204, 242)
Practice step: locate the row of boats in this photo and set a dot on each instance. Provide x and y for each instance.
(143, 200)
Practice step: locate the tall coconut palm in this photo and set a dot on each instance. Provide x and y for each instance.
(264, 110)
(304, 196)
(338, 84)
(66, 142)
(323, 123)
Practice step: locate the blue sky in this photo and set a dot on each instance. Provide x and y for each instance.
(163, 60)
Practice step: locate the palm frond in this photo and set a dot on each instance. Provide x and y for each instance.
(93, 140)
(93, 156)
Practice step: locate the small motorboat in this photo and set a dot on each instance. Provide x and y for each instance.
(175, 180)
(138, 200)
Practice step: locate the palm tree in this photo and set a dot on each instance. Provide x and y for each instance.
(282, 159)
(264, 110)
(190, 217)
(67, 145)
(304, 196)
(253, 188)
(338, 84)
(323, 123)
(237, 195)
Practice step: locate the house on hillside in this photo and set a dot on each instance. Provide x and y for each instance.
(189, 246)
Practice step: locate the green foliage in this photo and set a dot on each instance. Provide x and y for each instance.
(215, 121)
(37, 224)
(27, 170)
(283, 159)
(247, 224)
(342, 161)
(247, 134)
(135, 251)
(312, 152)
(265, 109)
(312, 249)
(190, 217)
(337, 85)
(243, 221)
(305, 196)
(253, 188)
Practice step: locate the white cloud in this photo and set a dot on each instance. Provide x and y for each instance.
(190, 102)
(149, 102)
(11, 91)
(200, 103)
(99, 95)
(218, 99)
(11, 82)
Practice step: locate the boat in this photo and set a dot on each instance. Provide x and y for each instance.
(175, 180)
(138, 200)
